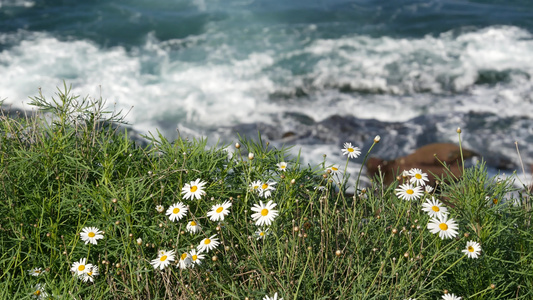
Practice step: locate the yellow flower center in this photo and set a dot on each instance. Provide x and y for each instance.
(470, 249)
(90, 273)
(262, 233)
(256, 187)
(443, 226)
(193, 188)
(264, 212)
(193, 223)
(219, 210)
(163, 258)
(91, 234)
(264, 186)
(435, 208)
(418, 176)
(183, 256)
(282, 166)
(37, 293)
(175, 210)
(410, 192)
(81, 268)
(194, 257)
(207, 241)
(334, 169)
(350, 149)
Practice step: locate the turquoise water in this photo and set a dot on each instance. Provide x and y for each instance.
(210, 68)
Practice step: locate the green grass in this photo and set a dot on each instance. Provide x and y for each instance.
(68, 167)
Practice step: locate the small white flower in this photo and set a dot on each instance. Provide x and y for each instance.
(176, 211)
(261, 233)
(473, 249)
(196, 257)
(39, 292)
(350, 150)
(163, 259)
(450, 297)
(446, 229)
(265, 214)
(275, 297)
(208, 244)
(81, 267)
(418, 177)
(218, 211)
(91, 235)
(194, 189)
(434, 208)
(193, 227)
(36, 271)
(429, 189)
(89, 276)
(409, 192)
(266, 189)
(256, 186)
(160, 208)
(333, 170)
(282, 166)
(185, 260)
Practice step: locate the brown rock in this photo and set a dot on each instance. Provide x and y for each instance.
(429, 159)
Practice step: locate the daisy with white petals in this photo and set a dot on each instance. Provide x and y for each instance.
(39, 292)
(282, 166)
(434, 208)
(185, 260)
(418, 177)
(89, 276)
(36, 271)
(163, 259)
(473, 249)
(193, 227)
(196, 257)
(265, 214)
(446, 228)
(81, 267)
(450, 297)
(409, 192)
(218, 211)
(275, 297)
(256, 186)
(91, 235)
(266, 189)
(350, 150)
(208, 244)
(261, 233)
(160, 208)
(193, 189)
(176, 211)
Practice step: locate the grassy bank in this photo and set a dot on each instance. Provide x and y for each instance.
(86, 213)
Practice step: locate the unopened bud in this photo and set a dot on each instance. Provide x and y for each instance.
(251, 156)
(377, 139)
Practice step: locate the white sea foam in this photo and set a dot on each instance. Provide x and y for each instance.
(389, 79)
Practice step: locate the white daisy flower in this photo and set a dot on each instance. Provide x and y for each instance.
(163, 259)
(160, 208)
(282, 166)
(39, 292)
(275, 297)
(446, 229)
(196, 257)
(36, 271)
(89, 276)
(408, 192)
(176, 211)
(350, 150)
(91, 235)
(256, 186)
(266, 189)
(434, 208)
(208, 243)
(194, 189)
(193, 227)
(218, 211)
(81, 267)
(418, 177)
(333, 170)
(473, 249)
(450, 297)
(429, 189)
(185, 260)
(265, 214)
(261, 233)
